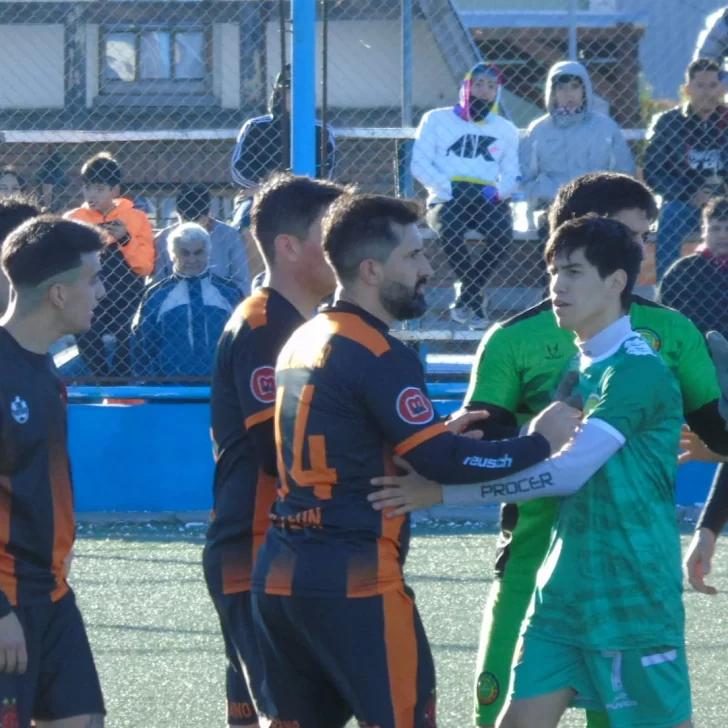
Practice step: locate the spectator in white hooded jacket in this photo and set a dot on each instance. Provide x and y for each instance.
(467, 158)
(572, 139)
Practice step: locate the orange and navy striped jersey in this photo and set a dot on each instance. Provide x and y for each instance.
(349, 396)
(243, 403)
(36, 493)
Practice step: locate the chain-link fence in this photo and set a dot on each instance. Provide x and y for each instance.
(187, 97)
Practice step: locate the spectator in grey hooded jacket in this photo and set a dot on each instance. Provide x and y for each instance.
(713, 39)
(228, 258)
(572, 139)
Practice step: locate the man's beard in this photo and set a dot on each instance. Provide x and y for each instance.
(401, 302)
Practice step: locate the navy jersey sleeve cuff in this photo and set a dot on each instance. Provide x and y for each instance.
(454, 460)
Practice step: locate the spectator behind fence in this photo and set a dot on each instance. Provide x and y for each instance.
(572, 139)
(127, 259)
(259, 148)
(181, 318)
(685, 159)
(228, 258)
(713, 39)
(11, 183)
(697, 285)
(467, 158)
(15, 209)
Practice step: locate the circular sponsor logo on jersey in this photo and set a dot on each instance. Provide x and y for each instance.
(414, 407)
(263, 384)
(488, 688)
(651, 338)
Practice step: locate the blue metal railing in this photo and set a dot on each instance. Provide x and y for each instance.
(437, 391)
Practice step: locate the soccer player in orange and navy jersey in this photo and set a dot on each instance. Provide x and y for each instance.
(337, 628)
(286, 224)
(47, 671)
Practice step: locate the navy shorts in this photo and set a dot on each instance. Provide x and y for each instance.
(244, 671)
(61, 680)
(328, 659)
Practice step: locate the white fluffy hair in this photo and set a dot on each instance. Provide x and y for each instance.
(188, 232)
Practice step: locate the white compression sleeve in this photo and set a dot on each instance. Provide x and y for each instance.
(562, 474)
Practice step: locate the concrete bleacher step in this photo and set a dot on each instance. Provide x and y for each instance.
(518, 282)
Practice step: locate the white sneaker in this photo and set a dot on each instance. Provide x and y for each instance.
(478, 322)
(460, 314)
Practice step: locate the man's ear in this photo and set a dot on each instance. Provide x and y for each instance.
(619, 281)
(370, 271)
(287, 247)
(57, 295)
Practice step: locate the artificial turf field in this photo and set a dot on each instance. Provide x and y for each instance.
(159, 653)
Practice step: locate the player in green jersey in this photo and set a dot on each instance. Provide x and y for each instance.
(608, 621)
(606, 628)
(518, 365)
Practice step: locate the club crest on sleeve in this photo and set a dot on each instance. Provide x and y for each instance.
(651, 337)
(414, 407)
(20, 411)
(263, 384)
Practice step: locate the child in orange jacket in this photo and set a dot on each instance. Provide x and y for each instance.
(127, 260)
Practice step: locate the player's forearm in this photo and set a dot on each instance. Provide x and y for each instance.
(715, 512)
(450, 459)
(559, 476)
(500, 425)
(708, 424)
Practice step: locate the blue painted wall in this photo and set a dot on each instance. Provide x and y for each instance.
(156, 456)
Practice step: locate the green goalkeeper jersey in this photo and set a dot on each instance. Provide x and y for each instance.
(612, 576)
(519, 364)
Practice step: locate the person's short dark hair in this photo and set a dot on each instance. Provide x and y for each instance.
(716, 209)
(601, 193)
(700, 65)
(14, 211)
(288, 204)
(193, 201)
(9, 169)
(359, 227)
(608, 245)
(101, 169)
(47, 246)
(567, 78)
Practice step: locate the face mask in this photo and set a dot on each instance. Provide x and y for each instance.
(479, 109)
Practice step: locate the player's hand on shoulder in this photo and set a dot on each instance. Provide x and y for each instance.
(698, 560)
(566, 390)
(13, 655)
(404, 493)
(459, 422)
(557, 423)
(693, 448)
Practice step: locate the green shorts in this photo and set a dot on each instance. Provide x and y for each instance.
(645, 687)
